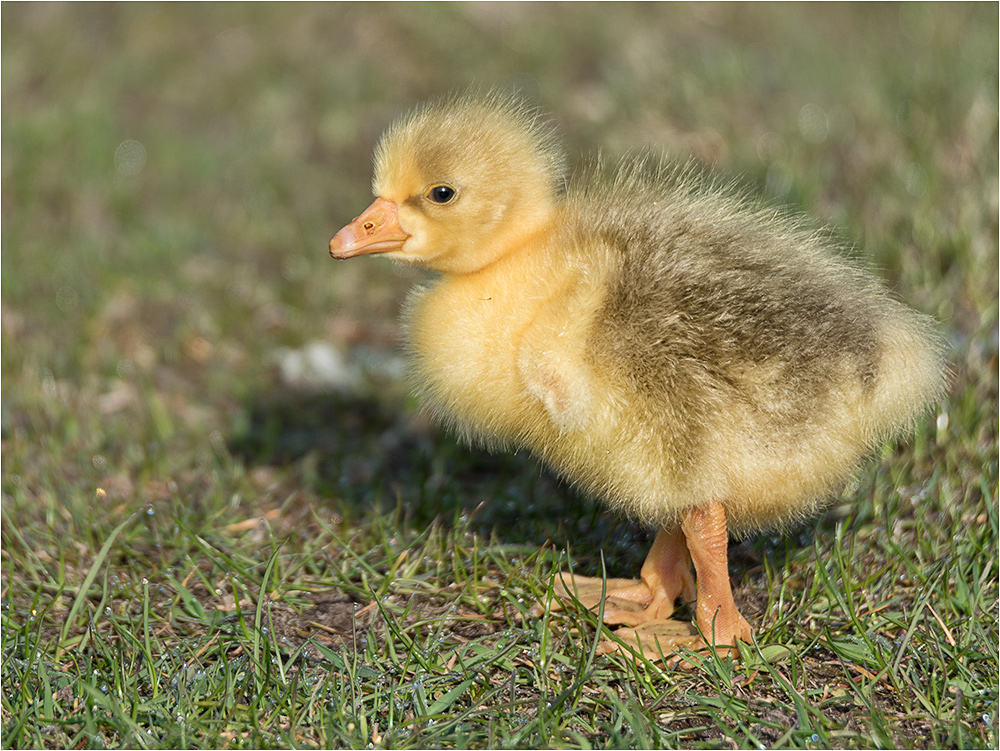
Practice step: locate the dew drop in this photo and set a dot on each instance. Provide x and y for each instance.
(125, 369)
(813, 123)
(67, 299)
(130, 158)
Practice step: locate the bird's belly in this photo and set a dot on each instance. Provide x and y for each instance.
(507, 378)
(504, 379)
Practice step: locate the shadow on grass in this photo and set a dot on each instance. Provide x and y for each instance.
(369, 453)
(375, 454)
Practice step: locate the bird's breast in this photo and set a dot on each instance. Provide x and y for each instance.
(504, 357)
(463, 343)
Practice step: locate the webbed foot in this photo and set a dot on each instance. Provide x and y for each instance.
(645, 606)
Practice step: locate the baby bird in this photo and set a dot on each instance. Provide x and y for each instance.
(700, 363)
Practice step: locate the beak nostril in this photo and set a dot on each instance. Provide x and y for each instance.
(375, 230)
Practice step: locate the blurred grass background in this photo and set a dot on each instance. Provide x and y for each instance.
(172, 175)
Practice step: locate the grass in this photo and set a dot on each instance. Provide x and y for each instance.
(198, 553)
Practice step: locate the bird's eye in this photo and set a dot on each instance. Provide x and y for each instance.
(441, 194)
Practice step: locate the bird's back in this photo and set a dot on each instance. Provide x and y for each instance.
(765, 357)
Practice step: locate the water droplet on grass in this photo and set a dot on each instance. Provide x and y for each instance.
(67, 299)
(813, 123)
(130, 158)
(125, 369)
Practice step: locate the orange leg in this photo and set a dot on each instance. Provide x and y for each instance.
(666, 572)
(701, 539)
(718, 619)
(708, 541)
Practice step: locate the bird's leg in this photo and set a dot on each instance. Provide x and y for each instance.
(702, 539)
(708, 542)
(721, 624)
(666, 575)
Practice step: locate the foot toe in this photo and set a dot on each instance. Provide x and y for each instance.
(625, 600)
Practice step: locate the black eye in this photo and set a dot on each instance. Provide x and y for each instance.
(441, 194)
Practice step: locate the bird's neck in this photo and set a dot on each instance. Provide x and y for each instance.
(513, 239)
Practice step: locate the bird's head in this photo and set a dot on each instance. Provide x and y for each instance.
(457, 183)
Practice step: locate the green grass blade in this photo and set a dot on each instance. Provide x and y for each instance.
(92, 574)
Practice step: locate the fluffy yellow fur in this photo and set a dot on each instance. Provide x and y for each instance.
(657, 340)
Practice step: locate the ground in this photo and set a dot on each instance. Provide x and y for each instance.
(226, 524)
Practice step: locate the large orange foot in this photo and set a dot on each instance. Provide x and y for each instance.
(625, 600)
(666, 575)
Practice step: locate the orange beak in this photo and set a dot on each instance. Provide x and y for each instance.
(377, 230)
